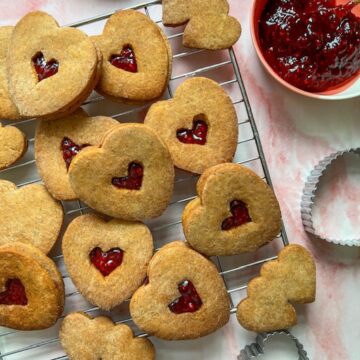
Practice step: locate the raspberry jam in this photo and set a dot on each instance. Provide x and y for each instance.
(43, 68)
(106, 262)
(125, 60)
(196, 135)
(70, 149)
(14, 293)
(189, 301)
(133, 181)
(240, 215)
(312, 44)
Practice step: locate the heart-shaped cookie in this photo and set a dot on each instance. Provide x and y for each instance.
(209, 26)
(137, 58)
(58, 141)
(8, 109)
(103, 177)
(29, 215)
(13, 145)
(199, 125)
(87, 338)
(235, 212)
(31, 288)
(289, 279)
(51, 70)
(106, 260)
(185, 297)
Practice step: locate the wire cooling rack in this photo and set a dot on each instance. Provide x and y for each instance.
(222, 67)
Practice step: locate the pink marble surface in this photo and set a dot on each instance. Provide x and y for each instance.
(296, 133)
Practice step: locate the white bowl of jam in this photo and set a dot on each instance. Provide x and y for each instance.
(310, 46)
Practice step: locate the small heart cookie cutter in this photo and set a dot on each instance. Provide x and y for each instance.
(258, 347)
(309, 195)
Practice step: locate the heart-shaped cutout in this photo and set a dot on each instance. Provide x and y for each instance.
(106, 260)
(145, 57)
(235, 212)
(267, 307)
(93, 170)
(33, 290)
(39, 50)
(200, 113)
(197, 312)
(69, 135)
(29, 215)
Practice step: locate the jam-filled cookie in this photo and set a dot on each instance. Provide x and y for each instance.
(208, 24)
(29, 215)
(235, 212)
(106, 260)
(87, 338)
(32, 289)
(137, 58)
(185, 297)
(289, 279)
(199, 125)
(51, 70)
(8, 109)
(130, 176)
(58, 141)
(13, 145)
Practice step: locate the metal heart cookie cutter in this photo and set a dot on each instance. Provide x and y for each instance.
(309, 195)
(258, 347)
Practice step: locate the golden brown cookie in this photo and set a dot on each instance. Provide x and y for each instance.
(8, 109)
(51, 70)
(58, 141)
(185, 297)
(130, 176)
(289, 279)
(107, 260)
(87, 338)
(13, 145)
(235, 212)
(32, 289)
(29, 215)
(209, 25)
(137, 58)
(199, 125)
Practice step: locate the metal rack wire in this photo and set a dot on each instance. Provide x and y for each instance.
(235, 271)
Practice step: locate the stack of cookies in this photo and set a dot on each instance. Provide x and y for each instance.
(125, 174)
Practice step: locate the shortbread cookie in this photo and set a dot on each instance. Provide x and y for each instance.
(235, 212)
(289, 279)
(199, 125)
(32, 294)
(209, 25)
(29, 215)
(106, 260)
(130, 176)
(8, 109)
(13, 145)
(51, 70)
(185, 297)
(58, 141)
(87, 338)
(137, 58)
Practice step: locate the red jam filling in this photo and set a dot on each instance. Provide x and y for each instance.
(312, 44)
(240, 215)
(133, 181)
(14, 293)
(70, 149)
(189, 301)
(43, 68)
(125, 60)
(106, 262)
(196, 135)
